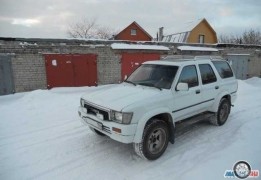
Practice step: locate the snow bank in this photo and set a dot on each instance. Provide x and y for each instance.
(255, 81)
(194, 48)
(41, 137)
(138, 46)
(69, 89)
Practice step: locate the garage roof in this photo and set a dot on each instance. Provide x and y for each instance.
(139, 46)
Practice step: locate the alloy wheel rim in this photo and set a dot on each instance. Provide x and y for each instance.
(157, 140)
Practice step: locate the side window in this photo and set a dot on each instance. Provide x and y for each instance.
(189, 75)
(207, 74)
(223, 69)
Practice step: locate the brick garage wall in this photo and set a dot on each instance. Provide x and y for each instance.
(28, 72)
(29, 64)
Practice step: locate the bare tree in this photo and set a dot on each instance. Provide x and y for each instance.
(248, 37)
(233, 39)
(89, 29)
(223, 38)
(252, 37)
(105, 32)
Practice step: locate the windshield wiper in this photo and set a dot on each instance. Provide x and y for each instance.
(130, 82)
(150, 85)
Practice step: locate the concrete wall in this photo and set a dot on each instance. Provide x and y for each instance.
(254, 63)
(29, 64)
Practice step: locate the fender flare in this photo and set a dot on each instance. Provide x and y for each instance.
(142, 122)
(217, 100)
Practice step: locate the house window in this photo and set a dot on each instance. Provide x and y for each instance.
(201, 39)
(133, 32)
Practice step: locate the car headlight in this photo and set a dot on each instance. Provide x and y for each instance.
(121, 117)
(82, 102)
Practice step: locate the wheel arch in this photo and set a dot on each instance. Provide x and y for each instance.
(218, 99)
(162, 115)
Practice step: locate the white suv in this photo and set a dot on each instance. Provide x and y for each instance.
(144, 108)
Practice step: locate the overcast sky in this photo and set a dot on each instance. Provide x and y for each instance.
(50, 18)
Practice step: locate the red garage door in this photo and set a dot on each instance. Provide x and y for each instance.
(130, 61)
(67, 70)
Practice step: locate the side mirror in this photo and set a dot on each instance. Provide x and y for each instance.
(182, 87)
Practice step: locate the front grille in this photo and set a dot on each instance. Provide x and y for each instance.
(106, 129)
(95, 110)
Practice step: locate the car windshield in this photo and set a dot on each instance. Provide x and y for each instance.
(159, 76)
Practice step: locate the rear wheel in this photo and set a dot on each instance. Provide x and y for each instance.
(154, 141)
(221, 116)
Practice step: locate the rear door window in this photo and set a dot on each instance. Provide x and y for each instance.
(207, 74)
(223, 69)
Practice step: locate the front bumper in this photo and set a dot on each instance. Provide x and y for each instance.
(106, 127)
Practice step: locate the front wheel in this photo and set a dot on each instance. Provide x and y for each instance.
(154, 141)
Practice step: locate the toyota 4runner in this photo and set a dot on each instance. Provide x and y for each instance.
(144, 109)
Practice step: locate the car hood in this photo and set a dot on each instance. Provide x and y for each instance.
(118, 96)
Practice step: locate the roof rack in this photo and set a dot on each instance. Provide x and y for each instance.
(208, 57)
(190, 58)
(178, 57)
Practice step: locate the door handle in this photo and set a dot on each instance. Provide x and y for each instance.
(216, 87)
(197, 91)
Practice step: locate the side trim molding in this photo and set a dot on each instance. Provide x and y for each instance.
(193, 105)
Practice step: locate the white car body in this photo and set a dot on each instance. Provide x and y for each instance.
(147, 102)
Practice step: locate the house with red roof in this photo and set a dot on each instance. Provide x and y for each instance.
(133, 32)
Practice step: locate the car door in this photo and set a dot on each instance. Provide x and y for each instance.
(210, 86)
(186, 103)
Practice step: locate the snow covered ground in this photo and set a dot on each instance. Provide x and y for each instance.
(41, 137)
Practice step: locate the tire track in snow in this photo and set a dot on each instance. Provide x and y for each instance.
(67, 135)
(106, 148)
(37, 130)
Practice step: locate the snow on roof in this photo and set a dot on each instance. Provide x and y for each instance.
(194, 48)
(138, 46)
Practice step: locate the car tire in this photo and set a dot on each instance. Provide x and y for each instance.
(221, 116)
(97, 132)
(154, 141)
